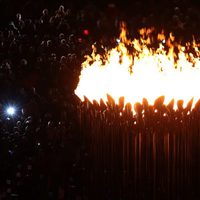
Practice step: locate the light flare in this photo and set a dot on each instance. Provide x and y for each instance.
(11, 111)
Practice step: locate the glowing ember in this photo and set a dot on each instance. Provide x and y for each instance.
(145, 72)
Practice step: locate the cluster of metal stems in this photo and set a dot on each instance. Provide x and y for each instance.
(154, 152)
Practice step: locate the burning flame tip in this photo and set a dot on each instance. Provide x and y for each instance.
(166, 75)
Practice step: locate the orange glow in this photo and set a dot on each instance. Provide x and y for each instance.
(146, 72)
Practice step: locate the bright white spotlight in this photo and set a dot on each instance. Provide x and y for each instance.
(10, 111)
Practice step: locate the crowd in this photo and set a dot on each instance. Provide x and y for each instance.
(40, 62)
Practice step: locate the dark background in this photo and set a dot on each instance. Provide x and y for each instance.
(32, 8)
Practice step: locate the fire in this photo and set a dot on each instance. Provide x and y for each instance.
(171, 70)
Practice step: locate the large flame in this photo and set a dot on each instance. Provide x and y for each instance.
(171, 70)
